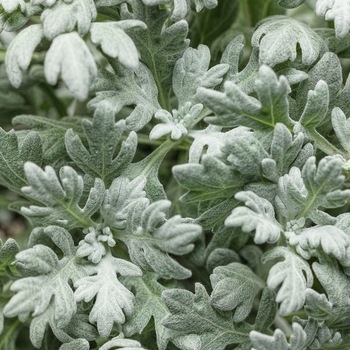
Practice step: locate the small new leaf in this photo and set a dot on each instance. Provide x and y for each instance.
(289, 273)
(60, 198)
(259, 216)
(277, 38)
(70, 56)
(234, 287)
(20, 51)
(115, 42)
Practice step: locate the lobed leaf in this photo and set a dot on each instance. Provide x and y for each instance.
(60, 199)
(150, 237)
(277, 38)
(70, 56)
(112, 298)
(103, 136)
(289, 273)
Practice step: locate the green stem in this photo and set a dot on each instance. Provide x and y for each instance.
(324, 145)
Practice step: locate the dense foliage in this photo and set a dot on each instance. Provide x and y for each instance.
(179, 172)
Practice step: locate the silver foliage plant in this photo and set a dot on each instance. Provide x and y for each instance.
(183, 170)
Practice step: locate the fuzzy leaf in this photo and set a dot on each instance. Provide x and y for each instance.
(60, 199)
(317, 305)
(301, 193)
(193, 314)
(341, 126)
(8, 250)
(125, 88)
(234, 107)
(234, 287)
(20, 51)
(112, 298)
(332, 240)
(49, 280)
(51, 133)
(11, 158)
(165, 43)
(121, 343)
(192, 71)
(298, 340)
(103, 136)
(70, 56)
(150, 237)
(338, 11)
(78, 344)
(209, 180)
(289, 273)
(289, 4)
(278, 36)
(336, 284)
(64, 16)
(11, 5)
(148, 303)
(123, 47)
(259, 216)
(120, 198)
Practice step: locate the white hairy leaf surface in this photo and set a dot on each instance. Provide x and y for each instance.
(70, 56)
(115, 42)
(337, 11)
(277, 39)
(20, 51)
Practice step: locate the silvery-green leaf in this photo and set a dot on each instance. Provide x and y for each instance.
(121, 343)
(332, 240)
(11, 22)
(192, 71)
(150, 237)
(19, 52)
(60, 198)
(234, 288)
(166, 42)
(258, 215)
(113, 300)
(278, 341)
(11, 5)
(63, 16)
(107, 33)
(290, 274)
(317, 305)
(335, 282)
(341, 126)
(234, 107)
(213, 140)
(148, 303)
(209, 180)
(277, 38)
(103, 136)
(11, 158)
(338, 11)
(52, 133)
(120, 198)
(8, 250)
(193, 314)
(78, 344)
(125, 88)
(301, 193)
(70, 56)
(48, 281)
(316, 106)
